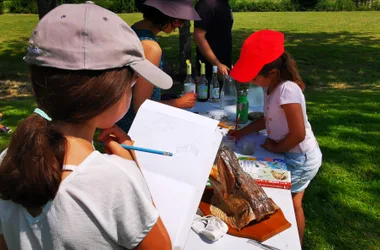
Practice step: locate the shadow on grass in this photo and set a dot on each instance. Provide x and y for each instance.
(330, 57)
(322, 57)
(12, 65)
(333, 57)
(14, 111)
(341, 204)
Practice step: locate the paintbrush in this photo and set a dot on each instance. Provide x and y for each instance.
(237, 122)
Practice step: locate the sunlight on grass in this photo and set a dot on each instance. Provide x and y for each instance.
(338, 55)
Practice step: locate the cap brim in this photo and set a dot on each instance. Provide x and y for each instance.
(175, 9)
(244, 70)
(152, 74)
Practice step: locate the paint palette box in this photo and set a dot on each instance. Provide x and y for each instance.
(267, 172)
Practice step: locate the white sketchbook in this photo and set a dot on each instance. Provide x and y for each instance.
(176, 183)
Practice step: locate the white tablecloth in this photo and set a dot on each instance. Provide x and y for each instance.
(287, 239)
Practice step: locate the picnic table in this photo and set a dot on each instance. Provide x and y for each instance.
(287, 239)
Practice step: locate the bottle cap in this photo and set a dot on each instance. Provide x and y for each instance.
(203, 67)
(188, 67)
(214, 69)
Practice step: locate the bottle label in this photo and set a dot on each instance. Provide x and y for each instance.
(215, 93)
(189, 87)
(242, 110)
(202, 91)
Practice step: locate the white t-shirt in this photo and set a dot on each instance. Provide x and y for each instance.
(104, 203)
(275, 118)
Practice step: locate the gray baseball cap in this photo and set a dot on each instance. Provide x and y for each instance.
(89, 37)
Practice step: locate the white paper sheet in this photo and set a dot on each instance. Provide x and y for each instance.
(176, 183)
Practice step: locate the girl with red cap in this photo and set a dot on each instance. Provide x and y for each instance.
(264, 62)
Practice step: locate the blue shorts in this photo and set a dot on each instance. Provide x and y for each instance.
(303, 167)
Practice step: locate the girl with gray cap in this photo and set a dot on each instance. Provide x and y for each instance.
(56, 190)
(159, 16)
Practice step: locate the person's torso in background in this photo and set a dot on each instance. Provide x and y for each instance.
(219, 33)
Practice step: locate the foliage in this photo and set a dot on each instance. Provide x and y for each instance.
(23, 6)
(303, 5)
(338, 5)
(6, 5)
(128, 6)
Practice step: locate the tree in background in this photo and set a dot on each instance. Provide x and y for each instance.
(1, 7)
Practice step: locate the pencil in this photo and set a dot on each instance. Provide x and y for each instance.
(146, 150)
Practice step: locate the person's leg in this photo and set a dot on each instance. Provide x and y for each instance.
(298, 210)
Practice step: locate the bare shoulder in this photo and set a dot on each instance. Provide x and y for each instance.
(151, 47)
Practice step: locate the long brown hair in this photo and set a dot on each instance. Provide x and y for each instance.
(287, 67)
(30, 172)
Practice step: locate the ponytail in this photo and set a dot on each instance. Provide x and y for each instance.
(290, 71)
(30, 173)
(287, 67)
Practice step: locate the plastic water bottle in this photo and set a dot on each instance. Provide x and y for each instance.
(228, 95)
(255, 96)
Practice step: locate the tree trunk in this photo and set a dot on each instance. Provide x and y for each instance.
(1, 7)
(184, 48)
(44, 6)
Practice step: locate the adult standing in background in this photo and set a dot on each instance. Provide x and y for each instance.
(213, 35)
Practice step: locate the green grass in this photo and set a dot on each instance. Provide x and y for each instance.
(338, 55)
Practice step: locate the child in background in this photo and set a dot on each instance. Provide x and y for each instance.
(56, 190)
(4, 129)
(264, 62)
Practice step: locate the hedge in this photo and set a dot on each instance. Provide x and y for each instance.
(120, 6)
(30, 6)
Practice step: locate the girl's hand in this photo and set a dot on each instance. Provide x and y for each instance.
(187, 100)
(238, 134)
(112, 138)
(269, 145)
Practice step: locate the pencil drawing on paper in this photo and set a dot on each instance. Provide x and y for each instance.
(187, 148)
(165, 124)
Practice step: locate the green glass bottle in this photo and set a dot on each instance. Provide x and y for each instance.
(242, 109)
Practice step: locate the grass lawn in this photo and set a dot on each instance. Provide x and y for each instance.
(339, 57)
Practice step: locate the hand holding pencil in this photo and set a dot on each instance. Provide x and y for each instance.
(112, 138)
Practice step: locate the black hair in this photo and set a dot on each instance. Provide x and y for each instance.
(159, 19)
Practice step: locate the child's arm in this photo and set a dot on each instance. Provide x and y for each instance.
(157, 238)
(297, 132)
(256, 126)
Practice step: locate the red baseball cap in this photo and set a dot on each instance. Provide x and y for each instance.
(259, 49)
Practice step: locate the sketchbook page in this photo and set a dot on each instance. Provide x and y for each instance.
(191, 142)
(176, 181)
(177, 201)
(174, 214)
